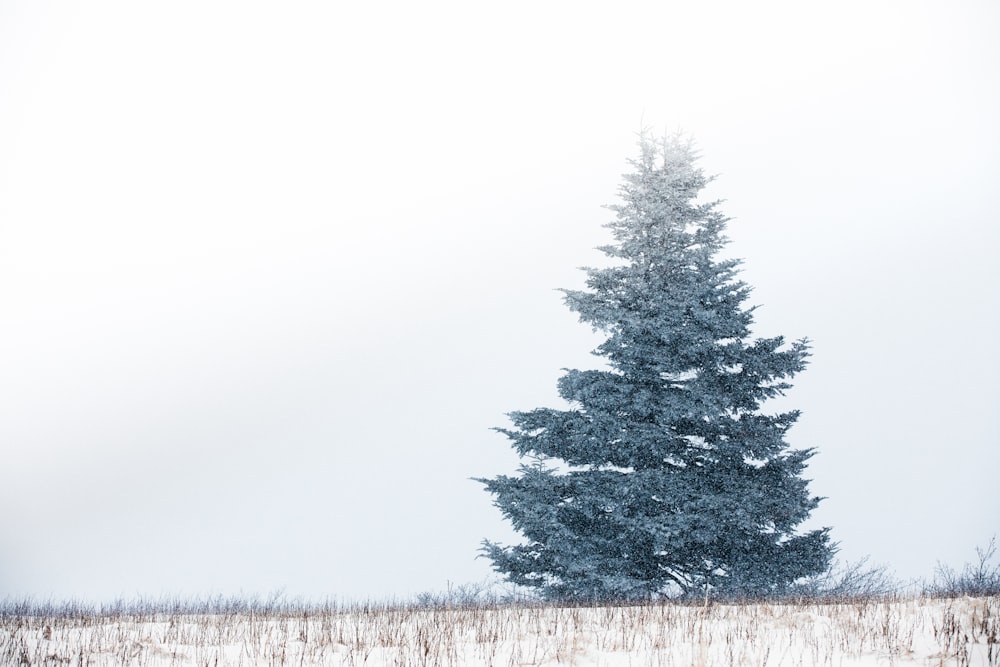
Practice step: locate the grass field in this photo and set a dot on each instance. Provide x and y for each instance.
(914, 630)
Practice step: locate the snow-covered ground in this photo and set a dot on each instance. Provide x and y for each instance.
(913, 631)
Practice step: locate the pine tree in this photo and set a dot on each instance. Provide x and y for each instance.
(664, 476)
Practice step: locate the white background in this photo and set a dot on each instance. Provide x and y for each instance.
(270, 272)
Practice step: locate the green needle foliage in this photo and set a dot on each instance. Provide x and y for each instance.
(664, 477)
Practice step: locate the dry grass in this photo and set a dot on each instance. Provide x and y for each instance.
(914, 630)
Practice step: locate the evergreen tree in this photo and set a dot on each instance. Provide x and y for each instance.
(664, 476)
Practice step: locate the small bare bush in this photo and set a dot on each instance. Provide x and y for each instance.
(976, 579)
(858, 580)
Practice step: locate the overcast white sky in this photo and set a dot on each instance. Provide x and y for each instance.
(269, 272)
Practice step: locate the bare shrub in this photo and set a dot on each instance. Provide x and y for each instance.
(850, 581)
(975, 579)
(488, 593)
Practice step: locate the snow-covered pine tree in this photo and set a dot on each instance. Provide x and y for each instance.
(665, 476)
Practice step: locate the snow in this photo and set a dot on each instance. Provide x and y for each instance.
(913, 631)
